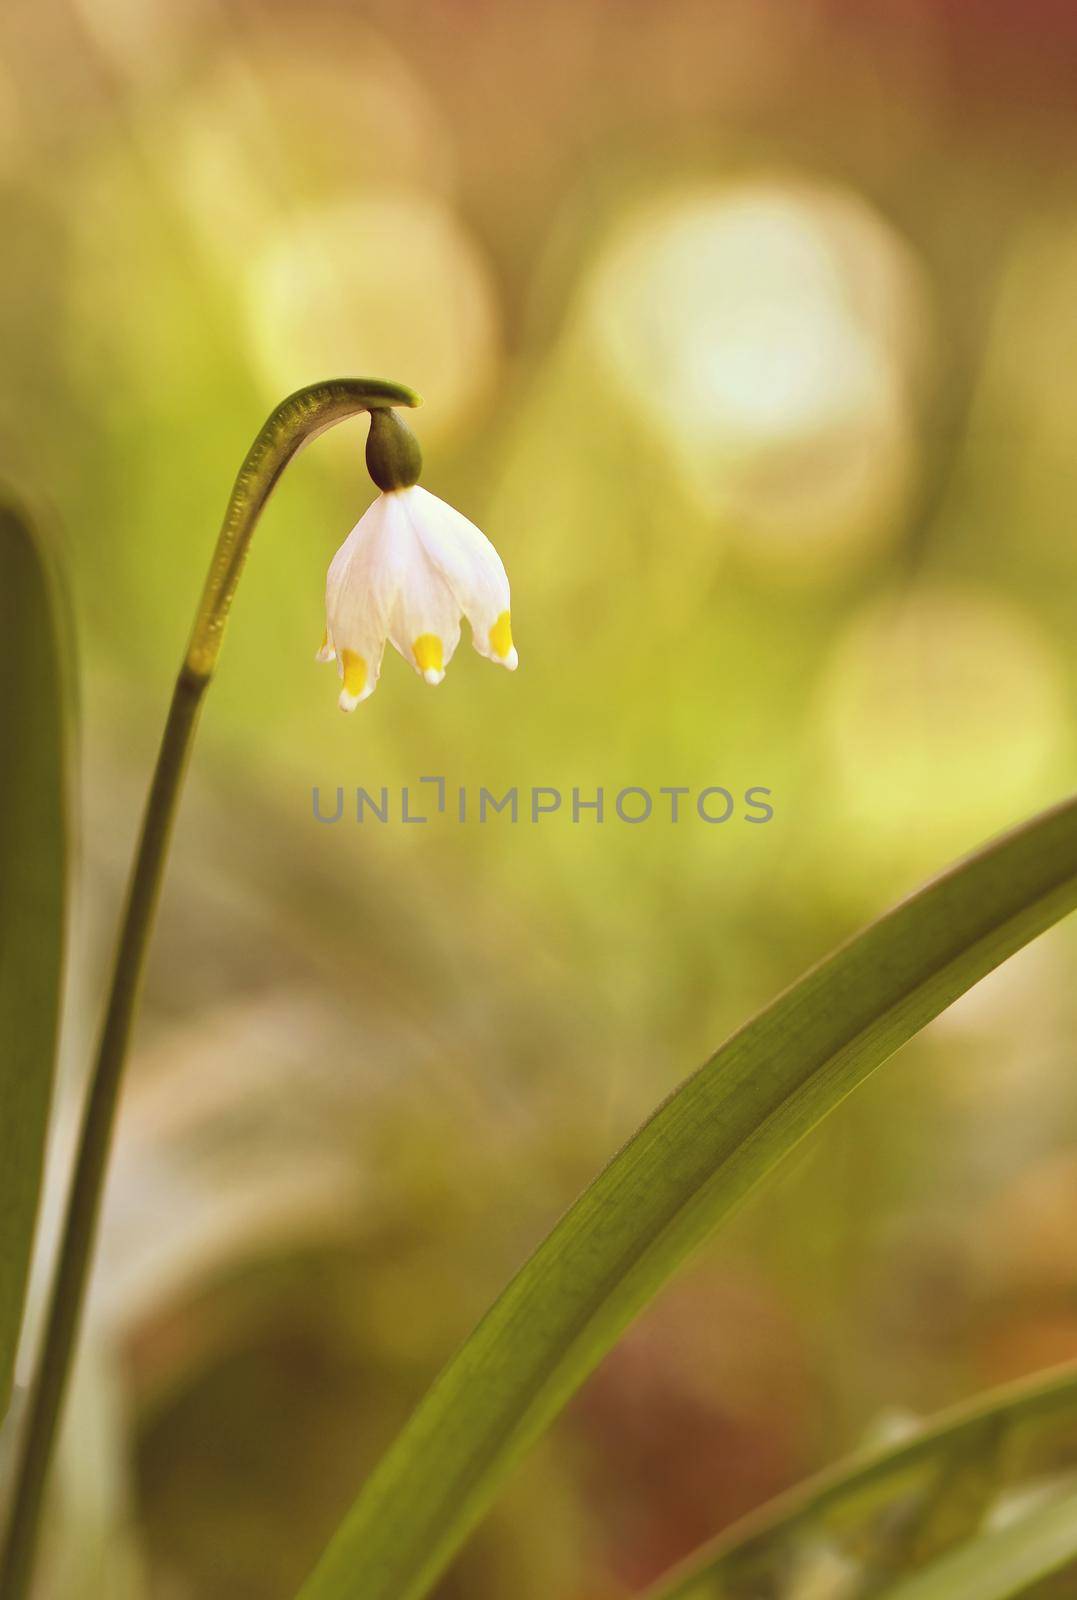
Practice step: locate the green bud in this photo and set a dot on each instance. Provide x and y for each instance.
(393, 457)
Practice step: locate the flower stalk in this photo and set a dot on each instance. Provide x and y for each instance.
(297, 420)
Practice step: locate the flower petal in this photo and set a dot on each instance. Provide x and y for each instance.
(470, 566)
(425, 621)
(360, 593)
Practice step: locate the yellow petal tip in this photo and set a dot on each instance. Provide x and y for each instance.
(501, 641)
(429, 657)
(354, 676)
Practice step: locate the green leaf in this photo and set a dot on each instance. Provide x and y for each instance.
(891, 1510)
(33, 868)
(695, 1158)
(1004, 1564)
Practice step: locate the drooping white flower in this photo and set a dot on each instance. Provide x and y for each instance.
(407, 572)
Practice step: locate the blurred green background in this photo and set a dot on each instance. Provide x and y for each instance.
(747, 330)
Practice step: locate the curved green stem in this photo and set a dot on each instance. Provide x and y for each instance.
(293, 424)
(295, 421)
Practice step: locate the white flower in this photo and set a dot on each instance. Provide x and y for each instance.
(407, 572)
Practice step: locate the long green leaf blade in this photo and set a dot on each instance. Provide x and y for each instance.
(843, 1502)
(33, 867)
(695, 1158)
(1005, 1563)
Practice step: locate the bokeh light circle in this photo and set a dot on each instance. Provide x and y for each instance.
(941, 702)
(390, 284)
(771, 333)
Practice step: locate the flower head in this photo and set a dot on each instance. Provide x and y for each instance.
(407, 572)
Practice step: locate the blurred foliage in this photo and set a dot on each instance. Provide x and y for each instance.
(891, 1512)
(746, 330)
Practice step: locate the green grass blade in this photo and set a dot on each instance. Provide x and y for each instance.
(863, 1503)
(1004, 1564)
(695, 1158)
(33, 866)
